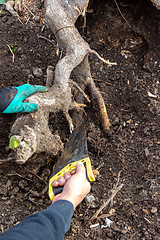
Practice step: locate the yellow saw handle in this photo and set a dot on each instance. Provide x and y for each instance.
(53, 191)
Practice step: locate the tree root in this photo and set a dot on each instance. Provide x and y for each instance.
(33, 128)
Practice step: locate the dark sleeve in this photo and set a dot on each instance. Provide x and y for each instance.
(6, 97)
(50, 224)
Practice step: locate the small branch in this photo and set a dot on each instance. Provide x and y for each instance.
(108, 201)
(29, 10)
(11, 52)
(87, 209)
(34, 174)
(99, 166)
(118, 179)
(115, 187)
(42, 37)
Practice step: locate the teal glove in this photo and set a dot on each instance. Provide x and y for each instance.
(15, 96)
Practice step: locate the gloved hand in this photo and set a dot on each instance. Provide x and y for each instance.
(11, 98)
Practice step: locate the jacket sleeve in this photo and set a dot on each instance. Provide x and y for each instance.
(6, 97)
(51, 223)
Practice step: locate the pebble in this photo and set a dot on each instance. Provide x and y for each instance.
(37, 72)
(90, 199)
(154, 210)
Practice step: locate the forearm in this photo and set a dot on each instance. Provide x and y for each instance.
(49, 224)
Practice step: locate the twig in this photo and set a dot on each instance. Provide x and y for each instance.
(16, 174)
(99, 166)
(108, 201)
(35, 193)
(29, 10)
(11, 52)
(101, 81)
(114, 188)
(35, 174)
(44, 38)
(122, 14)
(27, 20)
(28, 192)
(105, 215)
(87, 209)
(102, 59)
(118, 179)
(19, 19)
(7, 159)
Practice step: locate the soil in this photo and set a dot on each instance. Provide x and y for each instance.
(133, 144)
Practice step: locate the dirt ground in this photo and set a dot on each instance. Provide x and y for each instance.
(131, 92)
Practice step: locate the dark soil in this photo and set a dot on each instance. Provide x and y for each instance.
(133, 144)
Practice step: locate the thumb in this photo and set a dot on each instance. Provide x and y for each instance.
(28, 107)
(80, 168)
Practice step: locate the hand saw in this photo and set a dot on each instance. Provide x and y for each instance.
(75, 151)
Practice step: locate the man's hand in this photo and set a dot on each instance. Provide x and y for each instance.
(11, 98)
(76, 186)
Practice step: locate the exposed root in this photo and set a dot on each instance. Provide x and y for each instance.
(33, 128)
(70, 122)
(100, 101)
(102, 59)
(122, 14)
